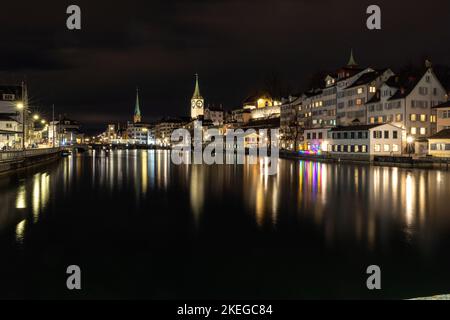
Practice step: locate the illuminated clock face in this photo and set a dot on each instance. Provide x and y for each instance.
(199, 104)
(193, 104)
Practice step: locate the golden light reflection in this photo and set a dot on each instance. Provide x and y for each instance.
(410, 199)
(197, 189)
(21, 202)
(20, 231)
(144, 172)
(36, 197)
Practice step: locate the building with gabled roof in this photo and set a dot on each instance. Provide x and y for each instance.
(407, 100)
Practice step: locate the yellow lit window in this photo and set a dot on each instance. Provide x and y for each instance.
(372, 89)
(423, 131)
(413, 130)
(423, 117)
(360, 90)
(413, 117)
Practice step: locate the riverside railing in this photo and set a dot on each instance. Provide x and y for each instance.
(20, 155)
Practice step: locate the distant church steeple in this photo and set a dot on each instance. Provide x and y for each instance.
(351, 62)
(197, 101)
(137, 110)
(196, 94)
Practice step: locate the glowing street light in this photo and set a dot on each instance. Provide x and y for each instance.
(410, 139)
(43, 121)
(21, 107)
(36, 117)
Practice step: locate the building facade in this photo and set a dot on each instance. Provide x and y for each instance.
(442, 112)
(407, 100)
(365, 141)
(439, 144)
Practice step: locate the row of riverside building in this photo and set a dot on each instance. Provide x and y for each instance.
(365, 112)
(356, 113)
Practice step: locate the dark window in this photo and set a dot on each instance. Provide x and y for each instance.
(320, 135)
(360, 135)
(345, 135)
(308, 136)
(314, 135)
(352, 135)
(395, 134)
(386, 134)
(433, 146)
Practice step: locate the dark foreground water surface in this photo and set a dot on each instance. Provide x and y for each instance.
(141, 227)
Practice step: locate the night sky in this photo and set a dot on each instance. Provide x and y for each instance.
(235, 46)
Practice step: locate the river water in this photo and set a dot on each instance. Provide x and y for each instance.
(141, 227)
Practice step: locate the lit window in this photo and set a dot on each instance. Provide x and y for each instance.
(358, 102)
(364, 149)
(395, 148)
(372, 119)
(423, 117)
(423, 131)
(377, 147)
(380, 119)
(413, 130)
(433, 119)
(356, 148)
(386, 148)
(413, 117)
(360, 90)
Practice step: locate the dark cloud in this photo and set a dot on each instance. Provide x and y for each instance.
(233, 45)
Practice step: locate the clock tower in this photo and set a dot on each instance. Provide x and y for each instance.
(197, 101)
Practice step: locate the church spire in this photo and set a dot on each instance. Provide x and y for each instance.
(196, 94)
(137, 109)
(351, 61)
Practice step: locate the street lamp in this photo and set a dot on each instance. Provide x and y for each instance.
(410, 141)
(36, 117)
(21, 107)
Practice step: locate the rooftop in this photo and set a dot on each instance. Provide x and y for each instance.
(363, 127)
(442, 105)
(6, 117)
(443, 134)
(366, 78)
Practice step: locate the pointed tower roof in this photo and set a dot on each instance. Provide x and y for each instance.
(137, 109)
(196, 94)
(351, 61)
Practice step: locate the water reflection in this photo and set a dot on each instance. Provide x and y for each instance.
(366, 206)
(20, 231)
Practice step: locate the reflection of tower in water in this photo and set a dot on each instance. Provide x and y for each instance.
(197, 191)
